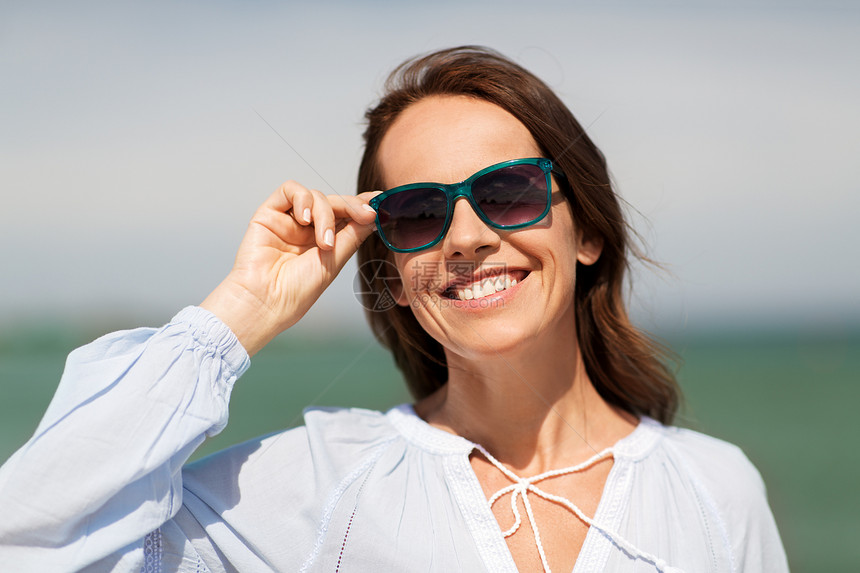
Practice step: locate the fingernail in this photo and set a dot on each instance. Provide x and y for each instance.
(367, 207)
(329, 238)
(306, 215)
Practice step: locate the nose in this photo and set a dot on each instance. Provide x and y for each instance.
(468, 235)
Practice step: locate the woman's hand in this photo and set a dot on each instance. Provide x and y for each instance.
(296, 243)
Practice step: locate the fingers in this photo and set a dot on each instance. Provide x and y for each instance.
(350, 236)
(353, 207)
(309, 207)
(347, 242)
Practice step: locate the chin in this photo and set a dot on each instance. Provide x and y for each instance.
(491, 343)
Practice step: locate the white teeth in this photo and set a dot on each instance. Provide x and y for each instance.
(477, 291)
(485, 287)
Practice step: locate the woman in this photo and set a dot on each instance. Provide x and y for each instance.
(509, 328)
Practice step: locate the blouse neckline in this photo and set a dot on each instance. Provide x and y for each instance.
(476, 510)
(634, 446)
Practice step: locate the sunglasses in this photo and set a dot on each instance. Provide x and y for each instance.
(509, 195)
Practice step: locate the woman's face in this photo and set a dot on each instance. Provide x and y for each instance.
(446, 139)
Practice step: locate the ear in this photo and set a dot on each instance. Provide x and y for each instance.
(590, 247)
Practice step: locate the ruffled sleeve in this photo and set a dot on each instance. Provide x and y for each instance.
(103, 468)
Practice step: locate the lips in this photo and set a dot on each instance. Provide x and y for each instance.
(483, 284)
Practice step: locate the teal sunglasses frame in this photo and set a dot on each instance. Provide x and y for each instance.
(455, 191)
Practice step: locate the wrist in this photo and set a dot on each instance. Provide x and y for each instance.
(247, 316)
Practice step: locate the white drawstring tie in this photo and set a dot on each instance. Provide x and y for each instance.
(522, 486)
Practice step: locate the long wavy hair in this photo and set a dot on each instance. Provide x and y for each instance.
(627, 368)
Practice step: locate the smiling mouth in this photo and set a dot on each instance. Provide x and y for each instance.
(484, 287)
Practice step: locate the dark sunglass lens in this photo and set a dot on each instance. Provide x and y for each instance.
(513, 195)
(413, 218)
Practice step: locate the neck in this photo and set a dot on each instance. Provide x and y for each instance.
(534, 409)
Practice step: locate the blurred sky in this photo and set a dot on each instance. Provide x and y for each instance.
(134, 143)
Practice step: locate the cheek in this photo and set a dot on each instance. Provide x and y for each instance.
(417, 276)
(561, 254)
(419, 273)
(564, 236)
(402, 262)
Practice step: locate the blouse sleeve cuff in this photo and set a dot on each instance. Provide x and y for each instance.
(208, 330)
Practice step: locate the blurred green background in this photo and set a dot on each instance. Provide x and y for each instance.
(787, 398)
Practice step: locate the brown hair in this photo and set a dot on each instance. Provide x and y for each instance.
(625, 366)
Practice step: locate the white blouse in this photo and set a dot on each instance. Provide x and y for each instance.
(101, 487)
